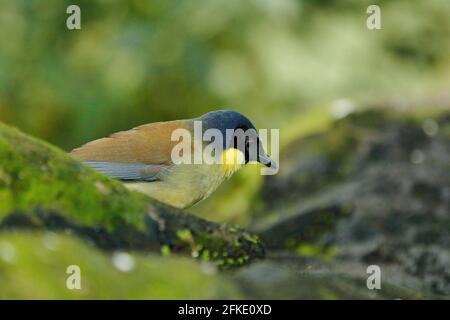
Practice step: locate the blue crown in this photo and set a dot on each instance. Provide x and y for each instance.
(225, 119)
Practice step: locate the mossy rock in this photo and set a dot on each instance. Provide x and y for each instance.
(41, 187)
(34, 265)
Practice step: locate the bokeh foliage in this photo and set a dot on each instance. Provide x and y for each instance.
(282, 63)
(141, 61)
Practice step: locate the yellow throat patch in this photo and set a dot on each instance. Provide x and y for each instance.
(233, 159)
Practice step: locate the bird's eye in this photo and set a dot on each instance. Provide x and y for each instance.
(235, 142)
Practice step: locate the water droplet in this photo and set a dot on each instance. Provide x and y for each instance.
(430, 127)
(208, 268)
(50, 241)
(7, 252)
(417, 157)
(123, 261)
(341, 108)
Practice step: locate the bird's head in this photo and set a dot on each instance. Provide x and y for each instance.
(244, 137)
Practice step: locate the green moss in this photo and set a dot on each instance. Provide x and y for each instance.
(221, 246)
(205, 255)
(33, 266)
(251, 238)
(185, 235)
(316, 251)
(37, 176)
(165, 251)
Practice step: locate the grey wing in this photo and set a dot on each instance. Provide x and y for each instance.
(128, 171)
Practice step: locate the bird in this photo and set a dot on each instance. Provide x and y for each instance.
(142, 157)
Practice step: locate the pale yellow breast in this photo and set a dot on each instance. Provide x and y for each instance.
(186, 184)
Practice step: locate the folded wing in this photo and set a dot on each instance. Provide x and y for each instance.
(129, 171)
(139, 154)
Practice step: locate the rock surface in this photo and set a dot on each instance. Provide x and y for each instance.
(373, 189)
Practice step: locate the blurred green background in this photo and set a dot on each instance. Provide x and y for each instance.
(280, 62)
(289, 64)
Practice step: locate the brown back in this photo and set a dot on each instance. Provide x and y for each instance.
(148, 144)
